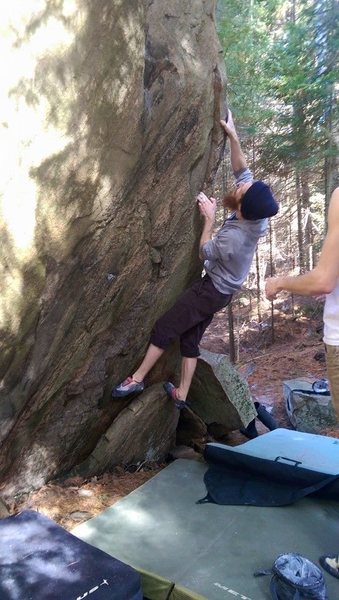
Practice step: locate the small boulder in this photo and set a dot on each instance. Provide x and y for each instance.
(219, 394)
(308, 412)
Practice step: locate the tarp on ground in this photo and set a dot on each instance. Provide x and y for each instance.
(208, 550)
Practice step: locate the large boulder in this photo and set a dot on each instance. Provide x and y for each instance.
(110, 127)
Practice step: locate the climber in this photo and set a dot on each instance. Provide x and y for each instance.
(227, 259)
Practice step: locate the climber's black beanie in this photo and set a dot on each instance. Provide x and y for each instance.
(258, 202)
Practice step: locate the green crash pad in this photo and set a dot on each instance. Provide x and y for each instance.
(207, 550)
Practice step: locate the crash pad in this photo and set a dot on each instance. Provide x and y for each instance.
(207, 550)
(265, 477)
(310, 451)
(39, 560)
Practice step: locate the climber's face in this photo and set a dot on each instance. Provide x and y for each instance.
(232, 201)
(241, 189)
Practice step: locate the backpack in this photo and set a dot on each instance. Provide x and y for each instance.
(320, 386)
(295, 577)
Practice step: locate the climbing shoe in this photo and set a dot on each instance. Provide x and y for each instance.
(127, 387)
(250, 431)
(171, 391)
(265, 417)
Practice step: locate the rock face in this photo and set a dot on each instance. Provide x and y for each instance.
(110, 127)
(4, 512)
(144, 431)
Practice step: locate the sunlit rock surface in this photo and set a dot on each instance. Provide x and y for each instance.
(219, 395)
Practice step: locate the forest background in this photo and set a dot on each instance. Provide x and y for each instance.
(281, 68)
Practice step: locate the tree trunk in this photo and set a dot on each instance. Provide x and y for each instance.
(331, 159)
(231, 334)
(308, 225)
(124, 116)
(300, 213)
(291, 252)
(271, 269)
(258, 284)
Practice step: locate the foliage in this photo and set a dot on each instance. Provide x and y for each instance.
(280, 60)
(281, 69)
(302, 75)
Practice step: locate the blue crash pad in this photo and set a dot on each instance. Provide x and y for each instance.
(39, 560)
(308, 450)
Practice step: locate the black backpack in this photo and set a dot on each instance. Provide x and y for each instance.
(295, 577)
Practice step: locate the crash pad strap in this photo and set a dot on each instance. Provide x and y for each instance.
(239, 479)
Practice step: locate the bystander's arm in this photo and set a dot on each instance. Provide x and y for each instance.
(324, 277)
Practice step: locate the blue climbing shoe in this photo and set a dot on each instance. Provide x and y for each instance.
(127, 387)
(171, 391)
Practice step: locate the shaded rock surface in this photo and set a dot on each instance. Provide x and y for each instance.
(110, 128)
(4, 512)
(191, 428)
(184, 452)
(143, 431)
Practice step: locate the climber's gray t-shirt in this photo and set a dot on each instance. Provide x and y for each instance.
(228, 256)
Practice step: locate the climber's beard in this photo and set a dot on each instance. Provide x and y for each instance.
(231, 202)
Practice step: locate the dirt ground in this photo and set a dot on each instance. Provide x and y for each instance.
(297, 351)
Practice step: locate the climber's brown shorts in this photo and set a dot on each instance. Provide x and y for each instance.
(189, 317)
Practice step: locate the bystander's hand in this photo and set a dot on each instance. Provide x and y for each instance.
(272, 287)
